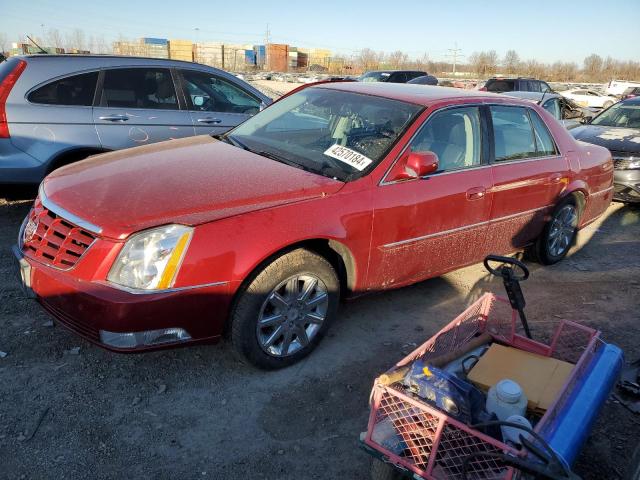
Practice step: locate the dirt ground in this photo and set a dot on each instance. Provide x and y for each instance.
(70, 410)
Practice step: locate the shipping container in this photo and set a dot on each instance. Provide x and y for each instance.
(261, 55)
(250, 57)
(155, 41)
(303, 60)
(277, 57)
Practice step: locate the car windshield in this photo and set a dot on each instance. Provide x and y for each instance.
(375, 77)
(338, 134)
(619, 115)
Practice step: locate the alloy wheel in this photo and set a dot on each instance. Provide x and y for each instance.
(292, 315)
(563, 228)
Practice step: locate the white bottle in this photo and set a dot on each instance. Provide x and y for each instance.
(506, 398)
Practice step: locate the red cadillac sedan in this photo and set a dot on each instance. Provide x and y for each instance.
(337, 190)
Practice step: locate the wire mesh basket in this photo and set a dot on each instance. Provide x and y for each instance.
(432, 444)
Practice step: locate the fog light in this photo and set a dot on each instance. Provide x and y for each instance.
(142, 339)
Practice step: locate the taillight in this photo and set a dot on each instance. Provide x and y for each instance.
(5, 88)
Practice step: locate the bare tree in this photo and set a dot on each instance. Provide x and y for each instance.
(511, 62)
(54, 39)
(76, 39)
(593, 67)
(397, 59)
(368, 59)
(484, 63)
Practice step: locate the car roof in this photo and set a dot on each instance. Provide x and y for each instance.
(393, 71)
(631, 101)
(535, 96)
(412, 93)
(77, 57)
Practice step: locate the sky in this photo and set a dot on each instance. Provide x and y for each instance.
(543, 30)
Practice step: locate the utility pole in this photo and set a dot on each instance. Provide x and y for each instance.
(267, 41)
(453, 53)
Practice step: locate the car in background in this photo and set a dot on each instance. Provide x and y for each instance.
(391, 76)
(58, 109)
(424, 80)
(617, 87)
(260, 231)
(501, 85)
(631, 92)
(563, 109)
(589, 98)
(618, 129)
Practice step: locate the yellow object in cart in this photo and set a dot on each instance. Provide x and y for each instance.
(541, 378)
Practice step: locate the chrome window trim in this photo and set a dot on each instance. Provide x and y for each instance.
(384, 181)
(138, 291)
(67, 215)
(491, 161)
(458, 229)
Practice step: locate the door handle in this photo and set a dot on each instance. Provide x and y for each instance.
(209, 120)
(476, 193)
(114, 118)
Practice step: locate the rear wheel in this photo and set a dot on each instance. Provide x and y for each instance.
(284, 312)
(559, 233)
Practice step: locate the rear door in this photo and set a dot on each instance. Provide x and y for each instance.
(428, 226)
(528, 175)
(138, 106)
(216, 104)
(57, 116)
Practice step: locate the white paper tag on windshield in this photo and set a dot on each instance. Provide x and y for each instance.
(348, 156)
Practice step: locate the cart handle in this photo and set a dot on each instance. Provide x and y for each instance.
(506, 261)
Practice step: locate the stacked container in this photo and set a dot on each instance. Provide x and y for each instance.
(277, 57)
(181, 50)
(155, 47)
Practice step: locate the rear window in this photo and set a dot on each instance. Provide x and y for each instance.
(77, 90)
(512, 133)
(148, 88)
(499, 86)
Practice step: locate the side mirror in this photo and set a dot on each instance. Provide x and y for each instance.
(415, 165)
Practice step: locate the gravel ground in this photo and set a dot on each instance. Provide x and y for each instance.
(69, 410)
(272, 88)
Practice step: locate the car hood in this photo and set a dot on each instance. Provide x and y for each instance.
(617, 139)
(188, 181)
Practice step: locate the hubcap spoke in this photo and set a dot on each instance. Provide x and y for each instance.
(309, 286)
(301, 332)
(314, 318)
(286, 342)
(272, 321)
(314, 302)
(278, 301)
(277, 333)
(292, 288)
(562, 230)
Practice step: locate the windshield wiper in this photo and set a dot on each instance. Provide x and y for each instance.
(224, 137)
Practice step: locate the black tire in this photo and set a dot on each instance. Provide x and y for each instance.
(251, 301)
(542, 248)
(384, 471)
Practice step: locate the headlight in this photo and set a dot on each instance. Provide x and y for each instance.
(150, 259)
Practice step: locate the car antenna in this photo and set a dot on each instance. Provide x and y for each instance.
(42, 50)
(543, 94)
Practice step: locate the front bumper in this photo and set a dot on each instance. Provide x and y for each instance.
(626, 185)
(86, 308)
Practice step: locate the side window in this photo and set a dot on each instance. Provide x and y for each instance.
(545, 87)
(513, 135)
(454, 135)
(77, 90)
(545, 146)
(499, 86)
(209, 93)
(553, 107)
(139, 88)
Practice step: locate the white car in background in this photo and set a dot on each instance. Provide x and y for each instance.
(589, 98)
(617, 87)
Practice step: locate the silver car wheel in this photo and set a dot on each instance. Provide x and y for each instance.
(292, 315)
(562, 230)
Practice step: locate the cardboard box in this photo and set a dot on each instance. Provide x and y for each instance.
(541, 378)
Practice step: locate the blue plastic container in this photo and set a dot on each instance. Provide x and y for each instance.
(567, 433)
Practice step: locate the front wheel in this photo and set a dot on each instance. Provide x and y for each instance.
(558, 234)
(284, 312)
